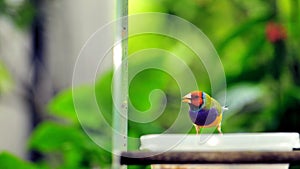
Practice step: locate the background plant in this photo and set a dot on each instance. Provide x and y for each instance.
(257, 42)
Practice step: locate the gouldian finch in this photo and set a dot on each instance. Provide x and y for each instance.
(204, 110)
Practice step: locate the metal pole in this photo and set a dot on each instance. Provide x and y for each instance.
(120, 83)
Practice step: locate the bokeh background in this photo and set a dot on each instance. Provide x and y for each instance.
(257, 42)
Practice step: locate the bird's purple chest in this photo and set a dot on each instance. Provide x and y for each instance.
(203, 117)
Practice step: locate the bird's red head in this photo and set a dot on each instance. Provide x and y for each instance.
(194, 98)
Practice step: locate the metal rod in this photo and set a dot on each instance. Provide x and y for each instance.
(147, 158)
(120, 83)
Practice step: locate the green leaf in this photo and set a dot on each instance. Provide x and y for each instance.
(24, 14)
(9, 161)
(70, 144)
(62, 106)
(6, 81)
(2, 6)
(50, 136)
(84, 102)
(104, 95)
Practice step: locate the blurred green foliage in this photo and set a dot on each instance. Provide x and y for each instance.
(263, 79)
(262, 75)
(20, 12)
(9, 161)
(6, 81)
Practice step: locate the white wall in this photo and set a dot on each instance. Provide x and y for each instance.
(70, 23)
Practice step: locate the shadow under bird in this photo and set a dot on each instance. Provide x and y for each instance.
(204, 111)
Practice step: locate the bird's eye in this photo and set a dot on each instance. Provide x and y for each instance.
(196, 97)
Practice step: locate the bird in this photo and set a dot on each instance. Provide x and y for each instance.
(204, 110)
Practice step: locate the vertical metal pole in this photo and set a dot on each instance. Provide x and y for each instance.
(120, 83)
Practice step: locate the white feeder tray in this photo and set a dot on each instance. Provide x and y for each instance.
(216, 142)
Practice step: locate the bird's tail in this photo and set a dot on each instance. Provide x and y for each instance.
(224, 108)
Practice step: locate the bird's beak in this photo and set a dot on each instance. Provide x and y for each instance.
(187, 98)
